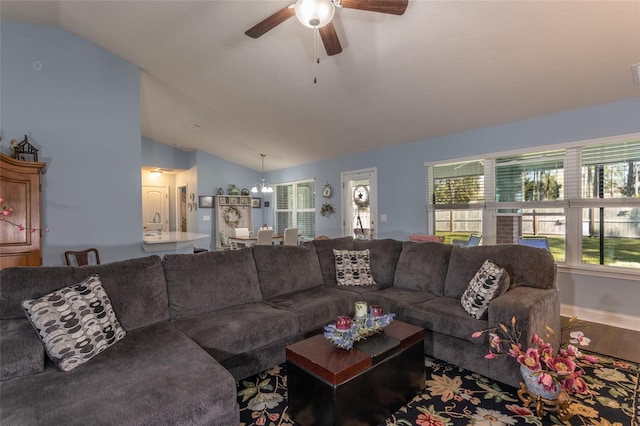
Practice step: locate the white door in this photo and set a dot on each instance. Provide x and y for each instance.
(359, 200)
(155, 208)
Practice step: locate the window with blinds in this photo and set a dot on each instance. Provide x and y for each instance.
(295, 208)
(458, 184)
(611, 170)
(532, 177)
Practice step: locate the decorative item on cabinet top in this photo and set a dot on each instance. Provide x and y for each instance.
(23, 151)
(240, 200)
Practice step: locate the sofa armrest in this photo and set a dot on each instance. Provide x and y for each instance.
(21, 350)
(534, 309)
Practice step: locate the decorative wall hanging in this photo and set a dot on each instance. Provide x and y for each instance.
(232, 216)
(205, 201)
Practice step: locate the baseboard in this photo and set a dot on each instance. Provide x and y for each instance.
(602, 317)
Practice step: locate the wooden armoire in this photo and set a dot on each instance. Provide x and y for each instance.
(20, 188)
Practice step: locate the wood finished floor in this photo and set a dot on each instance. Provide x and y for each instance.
(613, 341)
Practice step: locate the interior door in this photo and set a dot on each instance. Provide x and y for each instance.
(359, 201)
(155, 208)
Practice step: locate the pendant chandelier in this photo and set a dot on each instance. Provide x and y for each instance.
(263, 187)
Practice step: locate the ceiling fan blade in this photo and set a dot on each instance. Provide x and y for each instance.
(393, 7)
(330, 39)
(272, 21)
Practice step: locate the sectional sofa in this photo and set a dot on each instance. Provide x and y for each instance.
(196, 323)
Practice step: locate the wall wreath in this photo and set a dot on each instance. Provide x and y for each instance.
(232, 216)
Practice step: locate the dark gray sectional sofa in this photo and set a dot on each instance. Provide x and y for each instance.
(197, 323)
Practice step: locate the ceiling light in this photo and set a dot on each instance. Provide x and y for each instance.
(635, 70)
(156, 173)
(314, 13)
(263, 187)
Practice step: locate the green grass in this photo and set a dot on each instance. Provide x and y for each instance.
(618, 251)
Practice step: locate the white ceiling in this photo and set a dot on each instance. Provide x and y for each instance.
(441, 68)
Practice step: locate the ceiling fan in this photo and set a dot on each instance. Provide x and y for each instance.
(317, 14)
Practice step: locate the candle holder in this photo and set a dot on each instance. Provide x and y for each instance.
(361, 309)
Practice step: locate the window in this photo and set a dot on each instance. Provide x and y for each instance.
(610, 213)
(295, 208)
(584, 198)
(457, 196)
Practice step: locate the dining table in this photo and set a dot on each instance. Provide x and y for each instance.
(251, 240)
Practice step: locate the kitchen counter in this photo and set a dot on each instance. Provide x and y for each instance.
(169, 241)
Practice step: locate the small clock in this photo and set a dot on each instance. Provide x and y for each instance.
(361, 196)
(326, 191)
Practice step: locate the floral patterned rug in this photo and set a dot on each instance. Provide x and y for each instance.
(454, 396)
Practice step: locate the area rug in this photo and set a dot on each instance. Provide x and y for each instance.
(454, 396)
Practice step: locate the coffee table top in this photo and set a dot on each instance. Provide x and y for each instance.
(321, 357)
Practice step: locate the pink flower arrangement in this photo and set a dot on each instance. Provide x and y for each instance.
(550, 368)
(6, 211)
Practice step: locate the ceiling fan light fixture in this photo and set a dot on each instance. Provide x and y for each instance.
(314, 13)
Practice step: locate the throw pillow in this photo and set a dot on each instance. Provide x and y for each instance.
(488, 283)
(75, 323)
(353, 267)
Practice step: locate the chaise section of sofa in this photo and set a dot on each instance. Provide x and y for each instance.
(216, 299)
(154, 375)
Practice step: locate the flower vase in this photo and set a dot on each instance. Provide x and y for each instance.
(530, 380)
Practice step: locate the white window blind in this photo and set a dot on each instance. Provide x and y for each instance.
(457, 184)
(530, 177)
(611, 170)
(295, 208)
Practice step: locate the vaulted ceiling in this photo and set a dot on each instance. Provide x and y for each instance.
(443, 67)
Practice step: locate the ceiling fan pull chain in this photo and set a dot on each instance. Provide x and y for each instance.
(316, 49)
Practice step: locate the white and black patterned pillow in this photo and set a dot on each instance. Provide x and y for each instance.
(75, 323)
(353, 267)
(488, 283)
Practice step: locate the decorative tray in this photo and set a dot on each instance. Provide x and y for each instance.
(361, 328)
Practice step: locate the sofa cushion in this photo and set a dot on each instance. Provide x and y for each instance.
(157, 375)
(75, 323)
(21, 350)
(324, 250)
(316, 307)
(210, 281)
(353, 267)
(136, 287)
(225, 333)
(528, 266)
(286, 269)
(394, 299)
(423, 266)
(383, 255)
(488, 283)
(445, 315)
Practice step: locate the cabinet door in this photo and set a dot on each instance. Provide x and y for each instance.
(20, 188)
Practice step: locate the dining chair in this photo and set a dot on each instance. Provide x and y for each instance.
(82, 257)
(539, 242)
(241, 232)
(473, 241)
(291, 236)
(224, 242)
(265, 237)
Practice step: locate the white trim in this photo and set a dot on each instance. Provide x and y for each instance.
(601, 317)
(603, 271)
(560, 145)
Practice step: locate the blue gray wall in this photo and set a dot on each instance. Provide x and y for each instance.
(82, 109)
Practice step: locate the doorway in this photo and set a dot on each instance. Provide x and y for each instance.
(155, 208)
(359, 201)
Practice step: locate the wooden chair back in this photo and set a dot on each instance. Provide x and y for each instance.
(89, 256)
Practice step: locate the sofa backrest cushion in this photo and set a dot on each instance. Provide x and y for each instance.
(286, 269)
(324, 249)
(384, 255)
(423, 266)
(136, 287)
(527, 266)
(205, 282)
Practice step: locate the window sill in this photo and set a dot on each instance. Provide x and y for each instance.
(632, 274)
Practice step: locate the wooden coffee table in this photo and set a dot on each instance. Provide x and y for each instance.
(332, 386)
